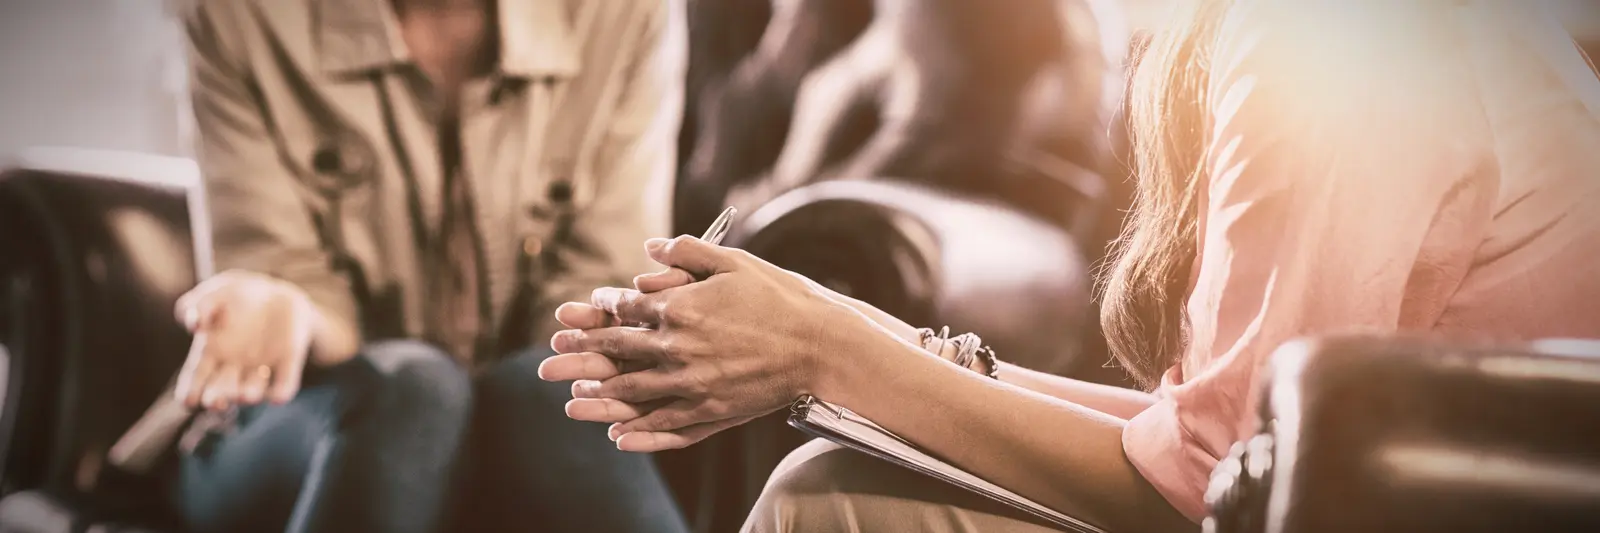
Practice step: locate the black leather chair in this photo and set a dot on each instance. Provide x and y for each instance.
(1014, 101)
(96, 249)
(932, 257)
(1405, 435)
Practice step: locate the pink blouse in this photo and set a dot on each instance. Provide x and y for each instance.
(1378, 166)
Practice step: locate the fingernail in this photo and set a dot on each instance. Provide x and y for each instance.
(584, 388)
(612, 432)
(191, 318)
(655, 245)
(605, 297)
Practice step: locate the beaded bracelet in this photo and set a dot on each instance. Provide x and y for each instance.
(991, 360)
(925, 338)
(969, 347)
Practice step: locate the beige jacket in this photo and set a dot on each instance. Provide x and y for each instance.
(319, 151)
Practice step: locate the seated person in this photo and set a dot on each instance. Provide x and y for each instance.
(403, 190)
(1305, 168)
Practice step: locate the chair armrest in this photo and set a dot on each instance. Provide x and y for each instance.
(1419, 436)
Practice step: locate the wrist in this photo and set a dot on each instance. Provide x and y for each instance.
(333, 340)
(836, 371)
(847, 374)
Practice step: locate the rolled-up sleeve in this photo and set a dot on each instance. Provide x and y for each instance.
(261, 221)
(1349, 181)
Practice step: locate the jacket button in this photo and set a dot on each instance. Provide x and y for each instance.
(560, 191)
(532, 246)
(326, 160)
(345, 156)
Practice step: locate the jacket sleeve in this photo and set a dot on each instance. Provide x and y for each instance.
(261, 214)
(633, 166)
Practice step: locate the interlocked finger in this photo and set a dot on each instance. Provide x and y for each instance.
(577, 315)
(655, 441)
(636, 387)
(580, 366)
(608, 410)
(624, 343)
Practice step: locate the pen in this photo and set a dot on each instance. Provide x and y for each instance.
(719, 227)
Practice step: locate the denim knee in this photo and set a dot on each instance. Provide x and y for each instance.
(420, 378)
(515, 382)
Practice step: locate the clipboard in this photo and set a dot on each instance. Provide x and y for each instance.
(843, 426)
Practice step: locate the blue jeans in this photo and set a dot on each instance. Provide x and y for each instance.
(377, 444)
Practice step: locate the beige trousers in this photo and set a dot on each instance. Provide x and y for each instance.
(824, 487)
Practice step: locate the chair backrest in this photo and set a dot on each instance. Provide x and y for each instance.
(1014, 100)
(1385, 435)
(97, 248)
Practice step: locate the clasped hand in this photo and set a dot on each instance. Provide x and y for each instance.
(675, 360)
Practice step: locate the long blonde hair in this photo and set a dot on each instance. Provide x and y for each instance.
(1143, 293)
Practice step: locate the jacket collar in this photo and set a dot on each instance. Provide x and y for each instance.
(355, 36)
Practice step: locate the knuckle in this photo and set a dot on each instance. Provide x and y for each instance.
(685, 313)
(669, 420)
(740, 255)
(667, 344)
(654, 422)
(603, 343)
(671, 348)
(697, 384)
(633, 304)
(672, 311)
(715, 409)
(624, 386)
(611, 409)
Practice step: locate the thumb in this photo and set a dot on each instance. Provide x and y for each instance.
(698, 257)
(197, 310)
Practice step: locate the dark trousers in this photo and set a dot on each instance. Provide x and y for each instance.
(401, 440)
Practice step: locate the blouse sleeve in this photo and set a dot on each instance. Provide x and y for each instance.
(1349, 182)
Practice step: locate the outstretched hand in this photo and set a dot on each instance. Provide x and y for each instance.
(252, 335)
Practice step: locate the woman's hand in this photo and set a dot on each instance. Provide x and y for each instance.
(677, 277)
(252, 334)
(744, 342)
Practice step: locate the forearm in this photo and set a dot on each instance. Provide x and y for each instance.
(889, 322)
(1066, 456)
(1115, 401)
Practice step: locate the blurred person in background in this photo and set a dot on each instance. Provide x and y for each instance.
(1304, 169)
(402, 192)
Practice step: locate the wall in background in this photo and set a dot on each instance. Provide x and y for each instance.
(92, 73)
